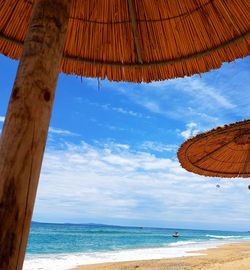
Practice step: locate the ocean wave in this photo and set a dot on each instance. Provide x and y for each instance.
(69, 261)
(222, 236)
(182, 243)
(72, 260)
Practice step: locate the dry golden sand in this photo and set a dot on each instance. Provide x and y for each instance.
(228, 257)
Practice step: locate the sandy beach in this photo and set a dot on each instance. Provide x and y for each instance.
(227, 257)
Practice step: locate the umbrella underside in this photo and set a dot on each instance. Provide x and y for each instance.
(222, 152)
(140, 40)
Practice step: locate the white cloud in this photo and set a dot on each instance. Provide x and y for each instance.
(152, 106)
(2, 118)
(210, 100)
(190, 131)
(200, 90)
(122, 111)
(111, 127)
(52, 130)
(128, 112)
(115, 182)
(61, 132)
(158, 147)
(116, 109)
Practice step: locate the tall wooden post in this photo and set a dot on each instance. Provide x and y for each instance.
(26, 126)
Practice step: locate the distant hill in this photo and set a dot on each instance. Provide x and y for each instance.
(83, 224)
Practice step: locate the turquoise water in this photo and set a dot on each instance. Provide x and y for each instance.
(66, 238)
(63, 246)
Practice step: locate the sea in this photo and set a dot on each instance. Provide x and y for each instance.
(65, 246)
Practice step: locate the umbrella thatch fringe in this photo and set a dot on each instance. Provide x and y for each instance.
(175, 38)
(219, 170)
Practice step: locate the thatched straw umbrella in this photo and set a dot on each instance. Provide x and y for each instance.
(221, 152)
(116, 39)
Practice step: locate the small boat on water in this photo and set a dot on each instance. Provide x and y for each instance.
(176, 234)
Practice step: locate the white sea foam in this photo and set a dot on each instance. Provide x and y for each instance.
(68, 261)
(182, 243)
(223, 236)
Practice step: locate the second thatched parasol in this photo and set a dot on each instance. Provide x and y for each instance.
(221, 152)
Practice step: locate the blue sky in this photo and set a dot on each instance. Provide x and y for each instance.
(111, 150)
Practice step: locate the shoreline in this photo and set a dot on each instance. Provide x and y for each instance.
(225, 256)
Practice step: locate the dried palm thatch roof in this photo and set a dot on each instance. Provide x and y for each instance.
(142, 40)
(221, 152)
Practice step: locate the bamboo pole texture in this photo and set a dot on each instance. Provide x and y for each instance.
(26, 126)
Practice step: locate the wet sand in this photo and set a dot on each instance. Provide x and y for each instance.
(227, 257)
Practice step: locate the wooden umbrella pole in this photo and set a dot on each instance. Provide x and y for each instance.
(26, 126)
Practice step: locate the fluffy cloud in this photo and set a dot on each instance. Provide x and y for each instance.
(2, 118)
(81, 182)
(190, 131)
